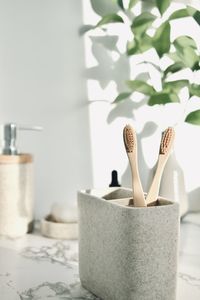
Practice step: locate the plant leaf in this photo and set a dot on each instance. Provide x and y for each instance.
(193, 118)
(140, 86)
(189, 57)
(161, 39)
(181, 13)
(160, 98)
(174, 68)
(146, 43)
(142, 22)
(175, 57)
(132, 47)
(162, 5)
(196, 16)
(111, 18)
(139, 45)
(175, 86)
(132, 3)
(174, 97)
(186, 12)
(194, 90)
(191, 10)
(104, 7)
(122, 96)
(196, 66)
(194, 13)
(184, 41)
(120, 3)
(186, 52)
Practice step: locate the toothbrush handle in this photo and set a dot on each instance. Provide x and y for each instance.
(138, 194)
(155, 186)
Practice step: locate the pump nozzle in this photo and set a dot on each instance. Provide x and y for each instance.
(9, 135)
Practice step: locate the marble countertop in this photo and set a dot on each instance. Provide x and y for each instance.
(34, 267)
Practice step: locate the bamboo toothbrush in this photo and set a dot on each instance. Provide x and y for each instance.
(130, 142)
(165, 149)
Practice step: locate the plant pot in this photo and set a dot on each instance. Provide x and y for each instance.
(126, 252)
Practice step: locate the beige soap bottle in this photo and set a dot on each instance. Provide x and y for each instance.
(16, 184)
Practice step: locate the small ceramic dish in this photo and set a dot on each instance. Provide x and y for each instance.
(52, 229)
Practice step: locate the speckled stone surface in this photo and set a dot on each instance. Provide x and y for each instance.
(34, 267)
(127, 253)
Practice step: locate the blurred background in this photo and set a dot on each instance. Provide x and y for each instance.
(54, 76)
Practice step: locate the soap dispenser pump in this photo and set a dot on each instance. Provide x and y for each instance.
(16, 184)
(9, 136)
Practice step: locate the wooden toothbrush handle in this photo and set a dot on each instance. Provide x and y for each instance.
(138, 194)
(155, 186)
(139, 200)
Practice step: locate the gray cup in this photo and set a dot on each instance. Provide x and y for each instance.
(127, 253)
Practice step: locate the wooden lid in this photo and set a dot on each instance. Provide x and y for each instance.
(16, 159)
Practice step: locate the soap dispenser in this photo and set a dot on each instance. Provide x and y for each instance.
(16, 184)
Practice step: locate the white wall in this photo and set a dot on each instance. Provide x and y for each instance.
(41, 83)
(107, 71)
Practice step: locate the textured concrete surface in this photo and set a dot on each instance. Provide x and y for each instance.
(128, 253)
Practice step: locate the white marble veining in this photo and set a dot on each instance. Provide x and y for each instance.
(38, 268)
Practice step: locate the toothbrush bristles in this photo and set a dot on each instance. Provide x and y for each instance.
(167, 138)
(128, 138)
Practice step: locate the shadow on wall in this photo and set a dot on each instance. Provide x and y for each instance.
(108, 69)
(118, 71)
(112, 65)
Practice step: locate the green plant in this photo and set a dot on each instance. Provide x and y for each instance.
(183, 51)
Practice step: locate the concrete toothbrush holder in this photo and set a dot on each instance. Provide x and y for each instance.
(126, 252)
